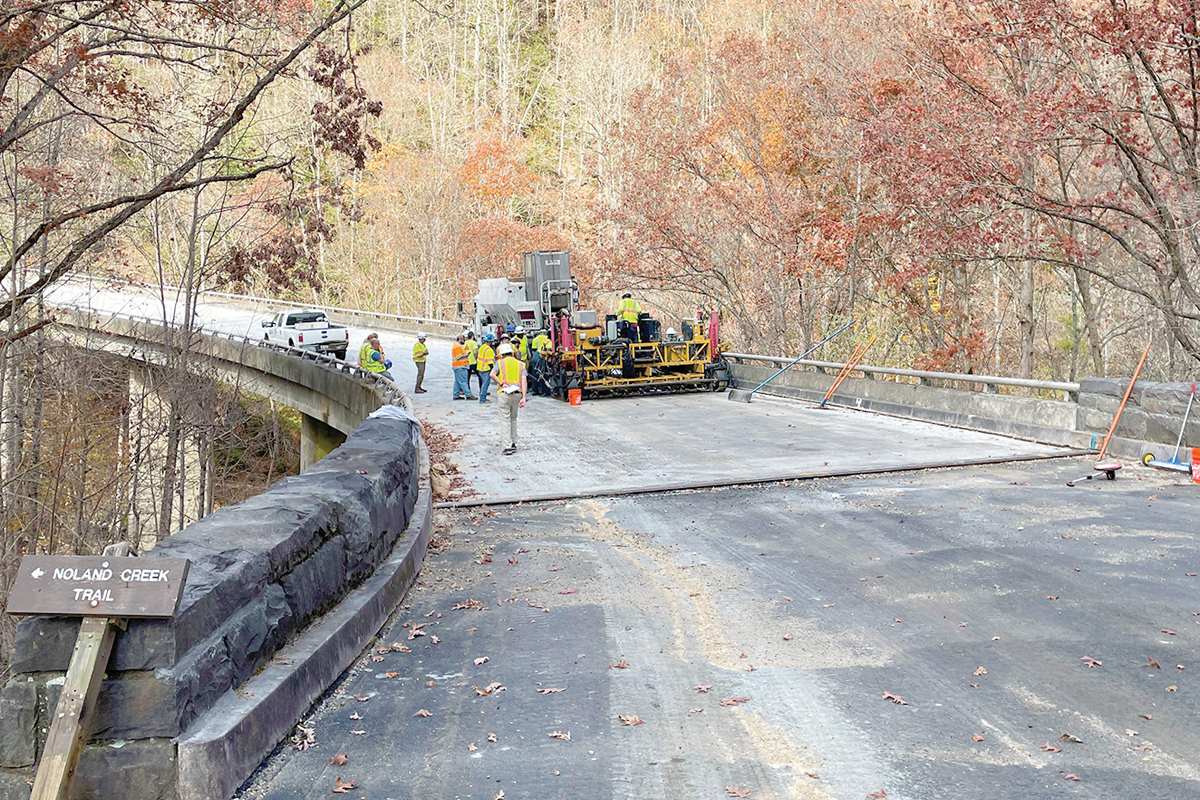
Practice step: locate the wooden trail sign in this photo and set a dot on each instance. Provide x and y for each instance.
(98, 586)
(105, 590)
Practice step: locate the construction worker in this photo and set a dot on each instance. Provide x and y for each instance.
(521, 344)
(509, 374)
(472, 358)
(486, 360)
(372, 359)
(459, 361)
(627, 317)
(420, 353)
(539, 352)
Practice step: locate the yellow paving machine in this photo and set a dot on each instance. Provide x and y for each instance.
(588, 355)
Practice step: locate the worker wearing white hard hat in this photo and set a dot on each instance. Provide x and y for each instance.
(420, 353)
(513, 382)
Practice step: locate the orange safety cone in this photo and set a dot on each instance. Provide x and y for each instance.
(1196, 464)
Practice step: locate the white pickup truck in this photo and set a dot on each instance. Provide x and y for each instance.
(308, 330)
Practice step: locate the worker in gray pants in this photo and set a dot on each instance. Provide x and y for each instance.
(512, 381)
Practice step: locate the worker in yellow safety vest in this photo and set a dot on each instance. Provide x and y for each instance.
(540, 349)
(510, 374)
(420, 353)
(521, 344)
(371, 357)
(627, 317)
(472, 357)
(460, 360)
(486, 359)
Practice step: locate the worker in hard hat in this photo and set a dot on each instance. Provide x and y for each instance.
(371, 357)
(520, 343)
(472, 357)
(459, 361)
(627, 317)
(539, 353)
(513, 383)
(486, 359)
(420, 353)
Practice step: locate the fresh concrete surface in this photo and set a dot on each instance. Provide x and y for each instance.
(811, 600)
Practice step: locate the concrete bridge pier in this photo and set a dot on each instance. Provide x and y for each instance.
(317, 440)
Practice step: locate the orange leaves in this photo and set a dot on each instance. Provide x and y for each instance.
(733, 701)
(344, 788)
(629, 719)
(495, 175)
(895, 698)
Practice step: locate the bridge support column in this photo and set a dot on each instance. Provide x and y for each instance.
(317, 440)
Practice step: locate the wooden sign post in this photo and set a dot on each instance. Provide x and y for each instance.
(105, 590)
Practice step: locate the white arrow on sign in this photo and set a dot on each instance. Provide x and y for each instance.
(37, 573)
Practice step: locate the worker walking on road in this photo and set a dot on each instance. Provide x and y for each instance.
(460, 361)
(420, 353)
(627, 317)
(472, 359)
(509, 374)
(486, 360)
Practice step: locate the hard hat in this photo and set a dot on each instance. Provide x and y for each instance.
(470, 334)
(504, 337)
(627, 294)
(520, 329)
(421, 335)
(510, 327)
(670, 331)
(489, 337)
(505, 349)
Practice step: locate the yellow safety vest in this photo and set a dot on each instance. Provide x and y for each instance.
(523, 347)
(628, 310)
(366, 362)
(472, 351)
(509, 370)
(486, 357)
(541, 343)
(420, 353)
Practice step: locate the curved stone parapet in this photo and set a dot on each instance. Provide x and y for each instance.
(284, 592)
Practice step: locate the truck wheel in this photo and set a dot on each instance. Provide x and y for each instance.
(291, 343)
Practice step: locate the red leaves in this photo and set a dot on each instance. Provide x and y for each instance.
(877, 795)
(1091, 662)
(1049, 748)
(733, 791)
(423, 712)
(338, 761)
(344, 788)
(733, 701)
(1152, 663)
(622, 664)
(895, 698)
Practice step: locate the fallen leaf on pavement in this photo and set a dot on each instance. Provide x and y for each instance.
(1130, 732)
(629, 719)
(362, 698)
(1091, 662)
(401, 648)
(1070, 776)
(376, 659)
(702, 688)
(470, 604)
(696, 711)
(787, 637)
(499, 795)
(344, 788)
(785, 597)
(471, 748)
(424, 712)
(356, 715)
(1049, 748)
(389, 675)
(1146, 716)
(513, 561)
(622, 664)
(895, 698)
(568, 591)
(881, 793)
(1152, 663)
(1172, 688)
(733, 791)
(975, 737)
(813, 775)
(979, 671)
(829, 605)
(358, 733)
(1168, 631)
(1051, 597)
(1146, 746)
(552, 690)
(566, 737)
(481, 660)
(1066, 737)
(491, 737)
(733, 701)
(338, 761)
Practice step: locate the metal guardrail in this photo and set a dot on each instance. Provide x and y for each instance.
(991, 383)
(387, 390)
(447, 327)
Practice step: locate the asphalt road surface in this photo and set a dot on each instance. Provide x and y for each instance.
(969, 632)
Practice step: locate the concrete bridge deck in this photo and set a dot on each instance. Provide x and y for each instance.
(973, 593)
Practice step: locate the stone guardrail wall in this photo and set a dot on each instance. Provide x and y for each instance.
(1150, 422)
(284, 591)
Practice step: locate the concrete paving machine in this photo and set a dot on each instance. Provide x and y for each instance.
(589, 356)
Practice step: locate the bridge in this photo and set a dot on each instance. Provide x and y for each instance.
(656, 597)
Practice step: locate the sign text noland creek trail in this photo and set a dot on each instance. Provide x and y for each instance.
(98, 586)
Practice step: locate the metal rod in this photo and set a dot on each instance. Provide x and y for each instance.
(1183, 427)
(1121, 408)
(857, 356)
(810, 351)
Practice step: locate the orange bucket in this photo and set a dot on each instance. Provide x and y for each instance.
(575, 396)
(1196, 464)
